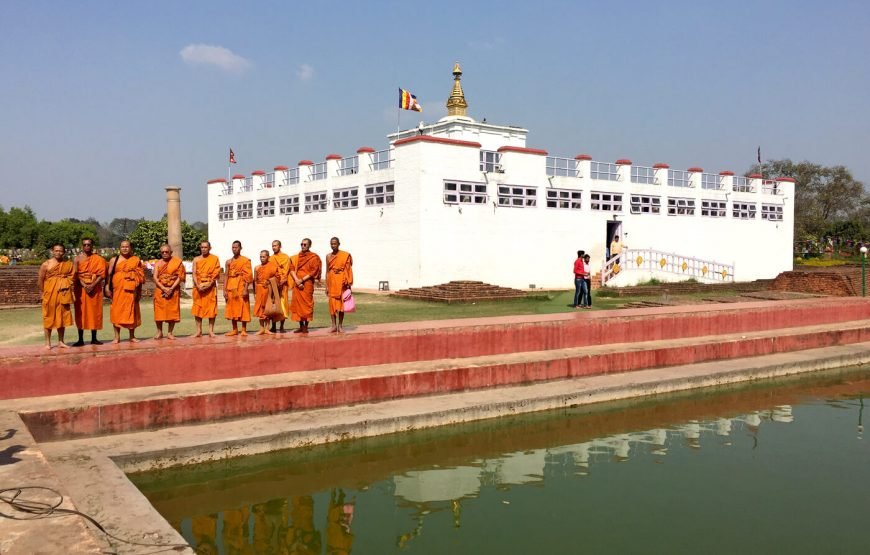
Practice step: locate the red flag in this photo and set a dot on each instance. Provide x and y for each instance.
(232, 157)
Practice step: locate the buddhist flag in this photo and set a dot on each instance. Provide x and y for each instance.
(759, 155)
(408, 101)
(232, 157)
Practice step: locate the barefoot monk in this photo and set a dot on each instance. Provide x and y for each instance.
(56, 278)
(263, 274)
(126, 276)
(206, 270)
(305, 270)
(169, 276)
(237, 281)
(339, 278)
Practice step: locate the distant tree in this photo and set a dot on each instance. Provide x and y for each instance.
(66, 232)
(200, 226)
(18, 228)
(123, 227)
(150, 234)
(824, 195)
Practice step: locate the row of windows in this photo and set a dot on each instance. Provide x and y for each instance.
(463, 192)
(379, 194)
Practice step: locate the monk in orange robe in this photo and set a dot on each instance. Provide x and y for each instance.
(88, 288)
(169, 276)
(206, 270)
(127, 274)
(305, 270)
(339, 277)
(237, 280)
(282, 261)
(262, 290)
(56, 279)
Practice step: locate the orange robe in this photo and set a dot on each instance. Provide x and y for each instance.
(339, 276)
(239, 277)
(302, 302)
(206, 269)
(57, 296)
(89, 306)
(127, 280)
(168, 309)
(284, 264)
(264, 273)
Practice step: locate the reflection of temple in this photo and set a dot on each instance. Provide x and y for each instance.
(289, 525)
(281, 525)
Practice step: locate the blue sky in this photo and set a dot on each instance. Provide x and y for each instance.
(105, 103)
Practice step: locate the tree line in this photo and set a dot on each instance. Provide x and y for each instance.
(829, 201)
(21, 230)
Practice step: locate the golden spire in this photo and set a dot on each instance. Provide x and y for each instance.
(456, 104)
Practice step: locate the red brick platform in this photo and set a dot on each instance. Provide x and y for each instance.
(110, 389)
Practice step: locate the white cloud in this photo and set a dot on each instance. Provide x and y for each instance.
(216, 56)
(305, 72)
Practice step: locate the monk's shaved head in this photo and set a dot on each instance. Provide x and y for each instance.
(264, 252)
(239, 243)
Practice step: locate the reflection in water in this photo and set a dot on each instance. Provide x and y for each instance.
(432, 497)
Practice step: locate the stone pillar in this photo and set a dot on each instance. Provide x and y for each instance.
(173, 220)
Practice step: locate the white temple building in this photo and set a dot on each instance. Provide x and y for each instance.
(466, 200)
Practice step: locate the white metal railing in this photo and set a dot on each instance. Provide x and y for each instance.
(319, 171)
(770, 187)
(563, 167)
(605, 171)
(643, 175)
(742, 185)
(381, 160)
(227, 189)
(348, 166)
(667, 262)
(248, 185)
(679, 178)
(268, 181)
(711, 181)
(289, 177)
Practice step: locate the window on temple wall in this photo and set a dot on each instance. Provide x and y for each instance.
(681, 206)
(380, 194)
(564, 198)
(714, 208)
(245, 210)
(490, 161)
(265, 207)
(464, 192)
(343, 199)
(606, 202)
(518, 197)
(288, 205)
(319, 171)
(315, 202)
(225, 212)
(743, 210)
(771, 212)
(645, 204)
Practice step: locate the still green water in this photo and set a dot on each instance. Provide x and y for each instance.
(781, 467)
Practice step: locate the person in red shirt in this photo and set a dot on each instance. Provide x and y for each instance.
(579, 281)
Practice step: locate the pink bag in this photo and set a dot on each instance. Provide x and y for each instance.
(347, 301)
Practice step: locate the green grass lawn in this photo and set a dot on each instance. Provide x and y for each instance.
(23, 326)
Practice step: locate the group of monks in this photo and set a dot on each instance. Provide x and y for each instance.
(83, 283)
